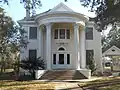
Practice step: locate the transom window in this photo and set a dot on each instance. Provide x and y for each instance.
(61, 49)
(62, 34)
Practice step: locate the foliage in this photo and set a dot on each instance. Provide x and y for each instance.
(28, 4)
(112, 38)
(32, 64)
(107, 12)
(11, 39)
(91, 63)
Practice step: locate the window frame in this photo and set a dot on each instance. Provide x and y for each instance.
(86, 34)
(30, 33)
(30, 55)
(54, 59)
(58, 36)
(68, 61)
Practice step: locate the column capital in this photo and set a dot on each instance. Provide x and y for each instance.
(81, 23)
(76, 26)
(48, 24)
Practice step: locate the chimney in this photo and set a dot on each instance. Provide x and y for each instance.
(27, 9)
(27, 13)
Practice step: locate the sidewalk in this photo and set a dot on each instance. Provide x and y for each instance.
(66, 86)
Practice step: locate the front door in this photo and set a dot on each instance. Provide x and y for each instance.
(61, 61)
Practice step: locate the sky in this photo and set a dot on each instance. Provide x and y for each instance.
(17, 11)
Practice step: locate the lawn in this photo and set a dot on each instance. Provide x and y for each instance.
(106, 83)
(25, 85)
(112, 87)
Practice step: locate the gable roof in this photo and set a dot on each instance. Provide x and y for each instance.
(61, 7)
(113, 51)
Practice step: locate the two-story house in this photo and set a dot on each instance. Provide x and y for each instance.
(63, 38)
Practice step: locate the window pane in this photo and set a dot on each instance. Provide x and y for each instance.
(89, 56)
(33, 33)
(56, 34)
(68, 34)
(68, 58)
(89, 33)
(61, 58)
(54, 58)
(32, 54)
(62, 33)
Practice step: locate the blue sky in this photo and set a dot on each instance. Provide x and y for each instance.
(17, 11)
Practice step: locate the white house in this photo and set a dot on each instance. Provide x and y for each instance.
(63, 38)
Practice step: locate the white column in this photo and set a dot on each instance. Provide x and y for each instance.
(48, 45)
(82, 48)
(40, 41)
(76, 42)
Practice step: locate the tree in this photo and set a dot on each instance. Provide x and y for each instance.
(90, 62)
(28, 4)
(11, 39)
(32, 64)
(112, 38)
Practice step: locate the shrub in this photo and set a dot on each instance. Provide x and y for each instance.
(32, 64)
(91, 63)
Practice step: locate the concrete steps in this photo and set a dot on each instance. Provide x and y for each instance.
(62, 75)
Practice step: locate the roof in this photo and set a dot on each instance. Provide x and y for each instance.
(60, 8)
(113, 51)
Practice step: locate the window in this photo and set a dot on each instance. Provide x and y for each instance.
(33, 33)
(89, 33)
(56, 34)
(32, 54)
(68, 58)
(61, 58)
(68, 34)
(62, 34)
(54, 58)
(89, 55)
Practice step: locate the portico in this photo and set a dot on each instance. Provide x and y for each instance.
(54, 55)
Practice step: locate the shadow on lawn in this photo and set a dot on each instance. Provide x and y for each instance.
(12, 76)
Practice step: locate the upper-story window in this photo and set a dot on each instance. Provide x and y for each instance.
(89, 33)
(33, 33)
(62, 34)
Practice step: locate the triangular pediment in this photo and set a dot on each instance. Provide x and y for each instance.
(112, 51)
(61, 7)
